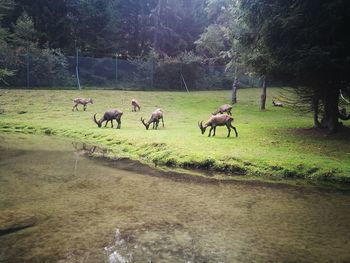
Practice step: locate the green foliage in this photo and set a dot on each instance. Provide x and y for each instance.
(303, 43)
(24, 32)
(24, 61)
(5, 6)
(5, 73)
(213, 41)
(47, 67)
(165, 72)
(105, 27)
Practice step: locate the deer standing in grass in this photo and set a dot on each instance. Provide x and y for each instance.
(111, 115)
(156, 116)
(81, 101)
(135, 105)
(218, 120)
(224, 108)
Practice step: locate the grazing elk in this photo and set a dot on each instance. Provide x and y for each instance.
(111, 115)
(156, 116)
(135, 105)
(224, 108)
(342, 114)
(277, 103)
(81, 101)
(218, 120)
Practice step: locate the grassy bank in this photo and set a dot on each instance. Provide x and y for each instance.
(276, 143)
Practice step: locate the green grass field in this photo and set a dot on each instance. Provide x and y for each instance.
(275, 143)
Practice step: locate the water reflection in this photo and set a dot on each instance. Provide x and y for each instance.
(82, 149)
(91, 211)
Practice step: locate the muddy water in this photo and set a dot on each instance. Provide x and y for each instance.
(58, 206)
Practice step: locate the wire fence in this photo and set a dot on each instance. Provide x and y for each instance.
(54, 70)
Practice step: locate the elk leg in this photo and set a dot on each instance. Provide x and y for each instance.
(229, 130)
(119, 124)
(214, 131)
(106, 123)
(111, 123)
(211, 128)
(234, 128)
(157, 123)
(163, 122)
(229, 113)
(84, 107)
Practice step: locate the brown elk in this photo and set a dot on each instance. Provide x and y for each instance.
(81, 101)
(135, 105)
(111, 115)
(277, 103)
(218, 120)
(156, 116)
(224, 108)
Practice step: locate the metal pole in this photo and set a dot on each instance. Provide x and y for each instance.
(77, 65)
(183, 79)
(116, 68)
(27, 66)
(152, 73)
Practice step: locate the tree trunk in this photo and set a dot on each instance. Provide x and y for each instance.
(234, 91)
(331, 111)
(263, 95)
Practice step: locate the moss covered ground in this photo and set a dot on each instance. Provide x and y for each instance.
(276, 143)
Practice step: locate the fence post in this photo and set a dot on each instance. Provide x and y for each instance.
(116, 68)
(77, 65)
(27, 65)
(152, 73)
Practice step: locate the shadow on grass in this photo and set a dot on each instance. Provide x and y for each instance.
(343, 133)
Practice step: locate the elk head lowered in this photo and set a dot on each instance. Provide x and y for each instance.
(218, 120)
(156, 116)
(111, 115)
(224, 108)
(135, 105)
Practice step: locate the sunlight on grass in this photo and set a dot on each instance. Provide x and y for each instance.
(269, 143)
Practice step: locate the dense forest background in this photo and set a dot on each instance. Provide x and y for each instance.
(168, 44)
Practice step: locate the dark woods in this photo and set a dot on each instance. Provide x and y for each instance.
(306, 45)
(143, 44)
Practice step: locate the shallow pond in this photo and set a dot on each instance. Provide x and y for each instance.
(56, 205)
